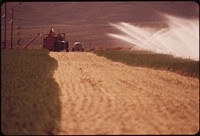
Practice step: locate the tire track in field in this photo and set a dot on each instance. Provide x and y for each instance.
(103, 97)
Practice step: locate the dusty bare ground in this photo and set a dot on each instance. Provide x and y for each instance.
(103, 97)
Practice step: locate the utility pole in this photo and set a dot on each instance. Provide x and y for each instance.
(11, 37)
(5, 27)
(18, 34)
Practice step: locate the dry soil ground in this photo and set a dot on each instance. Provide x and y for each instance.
(103, 97)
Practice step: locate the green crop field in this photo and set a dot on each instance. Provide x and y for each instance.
(146, 59)
(29, 95)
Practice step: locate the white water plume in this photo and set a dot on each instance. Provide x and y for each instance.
(180, 38)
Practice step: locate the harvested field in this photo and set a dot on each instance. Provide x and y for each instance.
(99, 96)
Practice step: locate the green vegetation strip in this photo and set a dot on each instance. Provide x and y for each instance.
(29, 95)
(146, 59)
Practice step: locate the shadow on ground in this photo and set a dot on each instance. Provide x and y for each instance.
(29, 94)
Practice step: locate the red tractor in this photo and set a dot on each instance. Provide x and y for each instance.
(55, 42)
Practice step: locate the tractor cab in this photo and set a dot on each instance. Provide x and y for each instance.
(55, 42)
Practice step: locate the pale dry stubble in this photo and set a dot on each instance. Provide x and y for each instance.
(99, 96)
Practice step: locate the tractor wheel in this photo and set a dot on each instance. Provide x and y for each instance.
(57, 47)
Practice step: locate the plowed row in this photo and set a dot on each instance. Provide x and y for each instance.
(99, 96)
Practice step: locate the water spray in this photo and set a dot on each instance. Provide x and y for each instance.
(180, 38)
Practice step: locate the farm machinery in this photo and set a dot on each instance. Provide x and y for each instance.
(55, 42)
(77, 47)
